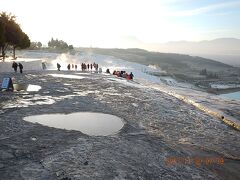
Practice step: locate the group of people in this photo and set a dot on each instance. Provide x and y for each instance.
(84, 66)
(88, 67)
(122, 74)
(16, 65)
(73, 66)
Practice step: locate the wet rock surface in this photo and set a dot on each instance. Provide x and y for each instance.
(157, 127)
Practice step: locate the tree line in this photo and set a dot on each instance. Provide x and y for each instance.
(59, 44)
(11, 35)
(54, 44)
(209, 75)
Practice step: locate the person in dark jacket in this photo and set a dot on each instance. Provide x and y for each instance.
(68, 66)
(131, 75)
(20, 67)
(14, 66)
(108, 71)
(44, 66)
(58, 66)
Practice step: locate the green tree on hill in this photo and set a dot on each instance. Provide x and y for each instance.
(11, 35)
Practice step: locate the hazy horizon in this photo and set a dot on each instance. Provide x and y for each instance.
(120, 24)
(175, 26)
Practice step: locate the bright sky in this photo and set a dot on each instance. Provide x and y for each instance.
(124, 23)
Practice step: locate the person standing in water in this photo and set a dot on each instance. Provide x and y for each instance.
(20, 67)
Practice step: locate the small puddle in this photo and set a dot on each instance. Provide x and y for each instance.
(232, 96)
(67, 76)
(26, 87)
(94, 124)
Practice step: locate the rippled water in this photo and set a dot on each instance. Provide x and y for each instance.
(96, 124)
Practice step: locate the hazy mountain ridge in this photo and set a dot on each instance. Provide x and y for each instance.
(162, 59)
(226, 50)
(226, 46)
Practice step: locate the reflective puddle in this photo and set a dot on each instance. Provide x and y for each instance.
(233, 96)
(67, 76)
(26, 87)
(94, 124)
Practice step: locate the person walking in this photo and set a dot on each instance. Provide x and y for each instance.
(14, 66)
(44, 66)
(58, 66)
(82, 66)
(68, 66)
(20, 67)
(96, 67)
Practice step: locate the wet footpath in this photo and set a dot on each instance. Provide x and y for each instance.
(155, 135)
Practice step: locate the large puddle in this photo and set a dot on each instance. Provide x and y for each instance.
(94, 124)
(26, 87)
(67, 76)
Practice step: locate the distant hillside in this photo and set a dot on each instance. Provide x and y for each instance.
(225, 50)
(175, 64)
(164, 60)
(225, 46)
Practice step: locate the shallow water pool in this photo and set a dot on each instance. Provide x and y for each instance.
(67, 76)
(91, 123)
(26, 87)
(233, 96)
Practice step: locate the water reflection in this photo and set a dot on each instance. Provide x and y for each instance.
(233, 96)
(67, 76)
(96, 124)
(26, 87)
